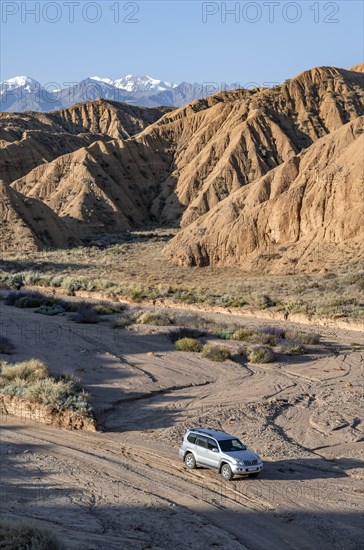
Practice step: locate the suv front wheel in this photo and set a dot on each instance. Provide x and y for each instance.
(226, 472)
(190, 461)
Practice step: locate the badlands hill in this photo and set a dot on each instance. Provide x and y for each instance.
(178, 168)
(306, 211)
(28, 224)
(30, 139)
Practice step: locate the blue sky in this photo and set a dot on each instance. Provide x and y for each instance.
(261, 42)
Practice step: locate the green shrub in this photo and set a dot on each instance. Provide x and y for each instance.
(122, 322)
(49, 392)
(226, 334)
(242, 334)
(13, 296)
(109, 309)
(6, 346)
(152, 318)
(72, 285)
(303, 337)
(50, 310)
(34, 299)
(31, 380)
(136, 295)
(292, 349)
(85, 315)
(216, 353)
(264, 301)
(27, 536)
(260, 354)
(30, 371)
(188, 344)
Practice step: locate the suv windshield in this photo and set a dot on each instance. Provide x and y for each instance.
(230, 445)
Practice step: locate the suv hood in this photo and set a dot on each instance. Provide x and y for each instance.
(242, 455)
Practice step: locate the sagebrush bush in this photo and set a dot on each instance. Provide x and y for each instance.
(49, 392)
(303, 337)
(188, 344)
(242, 334)
(29, 371)
(292, 349)
(153, 318)
(32, 381)
(12, 297)
(50, 310)
(261, 354)
(216, 353)
(226, 334)
(109, 309)
(85, 315)
(34, 299)
(122, 322)
(6, 346)
(26, 535)
(278, 332)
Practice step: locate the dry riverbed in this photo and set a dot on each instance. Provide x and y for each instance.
(125, 487)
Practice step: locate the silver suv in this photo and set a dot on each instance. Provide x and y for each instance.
(213, 449)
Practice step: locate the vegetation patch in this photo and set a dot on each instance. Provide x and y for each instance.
(292, 349)
(154, 318)
(216, 353)
(188, 344)
(109, 309)
(85, 314)
(56, 309)
(26, 535)
(122, 322)
(118, 271)
(242, 334)
(226, 334)
(32, 382)
(310, 338)
(261, 354)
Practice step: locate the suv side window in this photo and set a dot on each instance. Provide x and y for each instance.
(211, 444)
(191, 438)
(201, 441)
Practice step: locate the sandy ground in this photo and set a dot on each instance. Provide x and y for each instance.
(125, 486)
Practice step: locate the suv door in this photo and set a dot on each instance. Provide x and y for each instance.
(201, 450)
(213, 457)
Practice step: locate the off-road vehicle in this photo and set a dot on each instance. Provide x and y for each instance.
(219, 450)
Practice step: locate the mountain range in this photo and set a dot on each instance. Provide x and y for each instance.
(269, 178)
(23, 93)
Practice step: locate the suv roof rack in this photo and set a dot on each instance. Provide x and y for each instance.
(204, 430)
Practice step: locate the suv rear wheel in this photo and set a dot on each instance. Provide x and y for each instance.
(226, 472)
(190, 461)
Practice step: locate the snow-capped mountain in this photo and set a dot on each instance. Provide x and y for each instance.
(23, 93)
(132, 83)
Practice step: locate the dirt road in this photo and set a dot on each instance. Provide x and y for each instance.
(125, 487)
